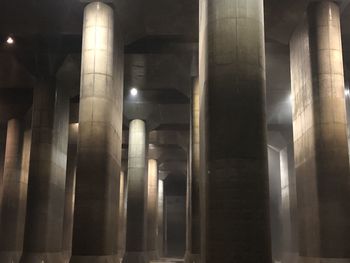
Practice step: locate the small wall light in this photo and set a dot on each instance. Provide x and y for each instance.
(133, 92)
(10, 41)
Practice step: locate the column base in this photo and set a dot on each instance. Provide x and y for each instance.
(288, 257)
(42, 257)
(152, 255)
(323, 260)
(66, 255)
(94, 259)
(135, 257)
(192, 258)
(10, 256)
(120, 256)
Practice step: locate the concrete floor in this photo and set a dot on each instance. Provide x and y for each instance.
(168, 260)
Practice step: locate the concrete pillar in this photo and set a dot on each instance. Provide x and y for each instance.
(232, 84)
(152, 207)
(122, 215)
(320, 136)
(160, 220)
(293, 205)
(95, 227)
(3, 129)
(193, 206)
(47, 173)
(70, 191)
(137, 178)
(290, 254)
(275, 202)
(14, 196)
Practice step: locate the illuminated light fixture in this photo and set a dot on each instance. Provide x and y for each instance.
(133, 92)
(347, 92)
(10, 41)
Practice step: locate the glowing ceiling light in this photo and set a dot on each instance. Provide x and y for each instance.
(133, 91)
(10, 40)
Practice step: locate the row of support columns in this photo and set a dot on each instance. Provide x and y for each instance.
(64, 195)
(13, 202)
(228, 184)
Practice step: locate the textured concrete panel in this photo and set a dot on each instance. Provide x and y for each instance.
(95, 229)
(135, 250)
(232, 84)
(320, 138)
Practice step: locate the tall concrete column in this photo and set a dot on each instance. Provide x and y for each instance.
(160, 220)
(288, 206)
(275, 202)
(232, 93)
(47, 173)
(3, 129)
(152, 207)
(320, 136)
(193, 206)
(14, 196)
(70, 191)
(95, 227)
(122, 215)
(137, 194)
